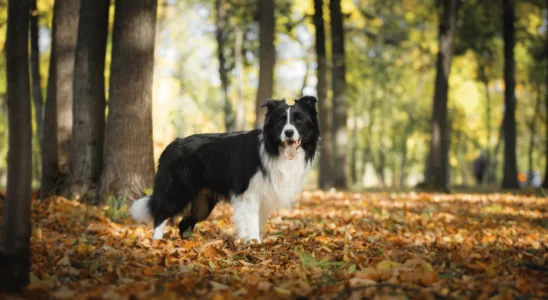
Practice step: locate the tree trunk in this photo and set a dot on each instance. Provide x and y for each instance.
(488, 177)
(340, 106)
(532, 138)
(325, 178)
(16, 227)
(353, 159)
(220, 34)
(408, 130)
(58, 111)
(545, 182)
(89, 97)
(240, 110)
(35, 68)
(128, 156)
(266, 57)
(306, 74)
(509, 180)
(438, 160)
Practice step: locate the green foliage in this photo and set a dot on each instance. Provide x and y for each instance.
(308, 260)
(117, 208)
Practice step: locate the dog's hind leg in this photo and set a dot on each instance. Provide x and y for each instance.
(200, 209)
(186, 226)
(159, 227)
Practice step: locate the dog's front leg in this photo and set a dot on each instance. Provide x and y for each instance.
(246, 217)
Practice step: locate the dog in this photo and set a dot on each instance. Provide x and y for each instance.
(258, 171)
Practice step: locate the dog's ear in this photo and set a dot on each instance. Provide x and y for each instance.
(270, 104)
(307, 102)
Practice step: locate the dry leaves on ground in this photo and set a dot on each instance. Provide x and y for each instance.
(333, 245)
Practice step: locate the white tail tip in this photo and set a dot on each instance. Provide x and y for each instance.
(139, 210)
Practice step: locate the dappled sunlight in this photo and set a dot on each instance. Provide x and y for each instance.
(406, 243)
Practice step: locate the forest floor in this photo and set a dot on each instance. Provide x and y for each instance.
(333, 245)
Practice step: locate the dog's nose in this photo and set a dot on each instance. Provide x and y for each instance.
(289, 133)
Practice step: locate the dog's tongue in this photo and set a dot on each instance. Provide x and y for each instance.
(290, 150)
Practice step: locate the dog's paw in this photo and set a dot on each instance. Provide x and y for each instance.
(250, 240)
(186, 234)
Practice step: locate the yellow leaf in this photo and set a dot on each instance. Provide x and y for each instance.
(64, 261)
(368, 273)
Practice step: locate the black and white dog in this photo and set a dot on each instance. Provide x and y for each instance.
(259, 171)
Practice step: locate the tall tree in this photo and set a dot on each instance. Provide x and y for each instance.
(239, 122)
(509, 178)
(35, 68)
(325, 178)
(128, 166)
(86, 157)
(340, 106)
(16, 228)
(545, 182)
(266, 57)
(58, 110)
(220, 34)
(437, 169)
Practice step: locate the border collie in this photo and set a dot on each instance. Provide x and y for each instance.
(258, 171)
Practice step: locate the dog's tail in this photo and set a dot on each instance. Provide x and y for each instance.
(140, 210)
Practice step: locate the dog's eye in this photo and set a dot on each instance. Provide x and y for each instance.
(299, 121)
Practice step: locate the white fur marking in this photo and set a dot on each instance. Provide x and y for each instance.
(288, 126)
(139, 210)
(288, 115)
(159, 231)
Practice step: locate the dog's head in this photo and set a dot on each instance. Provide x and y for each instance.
(287, 128)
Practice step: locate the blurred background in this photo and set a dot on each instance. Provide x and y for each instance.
(208, 72)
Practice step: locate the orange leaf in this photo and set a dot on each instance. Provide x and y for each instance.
(149, 272)
(322, 239)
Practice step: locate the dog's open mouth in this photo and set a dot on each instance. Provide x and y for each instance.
(290, 148)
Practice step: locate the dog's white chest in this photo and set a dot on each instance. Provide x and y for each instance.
(284, 182)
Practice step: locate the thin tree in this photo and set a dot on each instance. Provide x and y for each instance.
(59, 98)
(545, 182)
(239, 122)
(340, 106)
(509, 178)
(325, 178)
(16, 228)
(128, 166)
(35, 68)
(86, 157)
(220, 34)
(266, 57)
(437, 169)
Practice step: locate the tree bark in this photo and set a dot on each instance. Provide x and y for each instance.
(128, 155)
(266, 57)
(545, 182)
(220, 34)
(89, 97)
(509, 180)
(240, 110)
(35, 68)
(489, 173)
(437, 169)
(532, 138)
(58, 111)
(325, 178)
(16, 227)
(353, 155)
(340, 106)
(408, 130)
